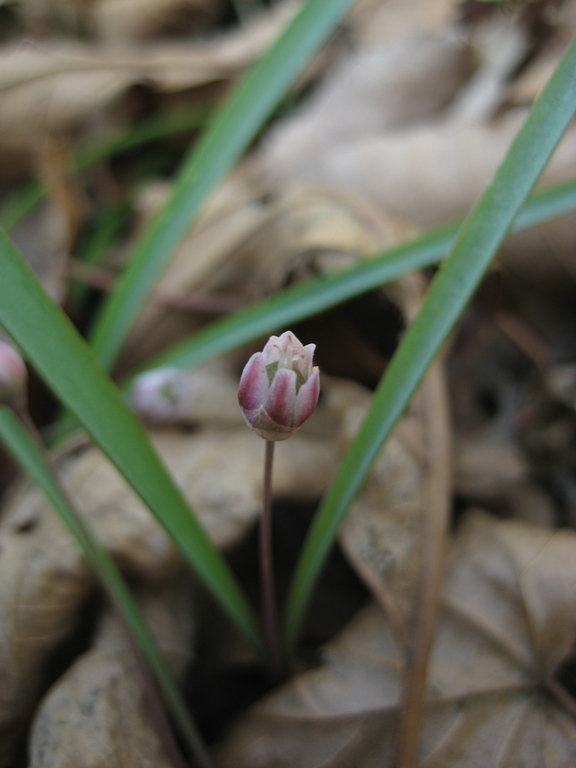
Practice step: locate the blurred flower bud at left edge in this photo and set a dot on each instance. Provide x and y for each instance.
(13, 376)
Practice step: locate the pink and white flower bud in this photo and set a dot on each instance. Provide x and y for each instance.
(13, 375)
(155, 396)
(279, 387)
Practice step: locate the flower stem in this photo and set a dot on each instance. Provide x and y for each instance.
(269, 609)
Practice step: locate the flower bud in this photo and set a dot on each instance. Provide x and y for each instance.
(155, 396)
(279, 387)
(13, 375)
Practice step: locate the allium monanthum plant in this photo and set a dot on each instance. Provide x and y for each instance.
(278, 391)
(279, 387)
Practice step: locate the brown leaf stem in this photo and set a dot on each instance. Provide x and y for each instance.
(433, 549)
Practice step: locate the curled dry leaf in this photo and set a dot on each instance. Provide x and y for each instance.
(97, 713)
(52, 87)
(141, 19)
(246, 246)
(428, 175)
(486, 466)
(433, 170)
(508, 620)
(500, 45)
(371, 91)
(230, 217)
(372, 22)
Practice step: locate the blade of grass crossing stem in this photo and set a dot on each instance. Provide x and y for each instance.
(297, 303)
(231, 132)
(477, 242)
(18, 442)
(70, 369)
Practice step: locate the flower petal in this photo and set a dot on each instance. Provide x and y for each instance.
(282, 397)
(265, 427)
(272, 351)
(307, 398)
(288, 341)
(303, 363)
(253, 387)
(279, 387)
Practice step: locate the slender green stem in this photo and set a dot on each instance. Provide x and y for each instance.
(20, 437)
(269, 608)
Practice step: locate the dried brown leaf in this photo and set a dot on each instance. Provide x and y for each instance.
(428, 175)
(141, 19)
(507, 623)
(382, 533)
(449, 92)
(97, 713)
(486, 465)
(54, 86)
(248, 247)
(373, 22)
(371, 92)
(44, 580)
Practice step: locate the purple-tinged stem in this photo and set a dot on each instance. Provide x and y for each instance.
(269, 609)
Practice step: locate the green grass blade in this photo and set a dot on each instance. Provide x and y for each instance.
(478, 240)
(27, 454)
(69, 367)
(295, 304)
(234, 127)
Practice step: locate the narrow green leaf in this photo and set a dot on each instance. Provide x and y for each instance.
(69, 367)
(234, 127)
(297, 303)
(27, 454)
(476, 245)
